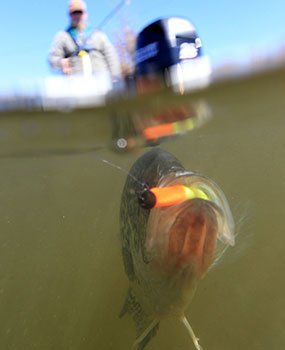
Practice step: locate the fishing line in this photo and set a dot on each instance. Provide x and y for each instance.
(114, 11)
(118, 167)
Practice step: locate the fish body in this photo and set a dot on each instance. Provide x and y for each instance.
(166, 251)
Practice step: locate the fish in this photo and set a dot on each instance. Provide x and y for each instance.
(167, 250)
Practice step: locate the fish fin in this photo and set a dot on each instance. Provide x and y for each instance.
(191, 333)
(147, 334)
(146, 326)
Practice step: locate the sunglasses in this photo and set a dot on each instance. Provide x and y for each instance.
(77, 12)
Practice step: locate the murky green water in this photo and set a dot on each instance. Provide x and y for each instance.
(62, 281)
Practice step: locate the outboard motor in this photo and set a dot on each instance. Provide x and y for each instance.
(171, 49)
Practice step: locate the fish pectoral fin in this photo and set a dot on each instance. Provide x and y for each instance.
(144, 338)
(146, 326)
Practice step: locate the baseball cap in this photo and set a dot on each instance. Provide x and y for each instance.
(76, 5)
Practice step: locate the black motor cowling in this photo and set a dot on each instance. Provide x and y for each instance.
(164, 43)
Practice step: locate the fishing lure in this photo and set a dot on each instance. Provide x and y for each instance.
(165, 196)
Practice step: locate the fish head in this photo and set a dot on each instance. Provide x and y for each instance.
(187, 237)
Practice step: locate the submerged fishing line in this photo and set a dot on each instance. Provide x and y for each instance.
(118, 167)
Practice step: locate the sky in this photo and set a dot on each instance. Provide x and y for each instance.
(230, 30)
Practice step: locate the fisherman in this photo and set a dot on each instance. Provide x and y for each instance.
(81, 49)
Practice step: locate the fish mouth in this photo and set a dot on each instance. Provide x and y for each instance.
(184, 236)
(192, 238)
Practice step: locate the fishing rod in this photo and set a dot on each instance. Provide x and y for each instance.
(113, 12)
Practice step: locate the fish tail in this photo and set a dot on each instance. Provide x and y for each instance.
(191, 333)
(146, 326)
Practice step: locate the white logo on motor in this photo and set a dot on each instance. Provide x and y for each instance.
(188, 51)
(146, 52)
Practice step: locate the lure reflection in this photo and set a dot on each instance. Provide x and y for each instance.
(149, 129)
(169, 243)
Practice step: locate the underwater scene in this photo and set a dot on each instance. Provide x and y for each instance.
(67, 259)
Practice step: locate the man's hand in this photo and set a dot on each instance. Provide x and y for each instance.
(66, 66)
